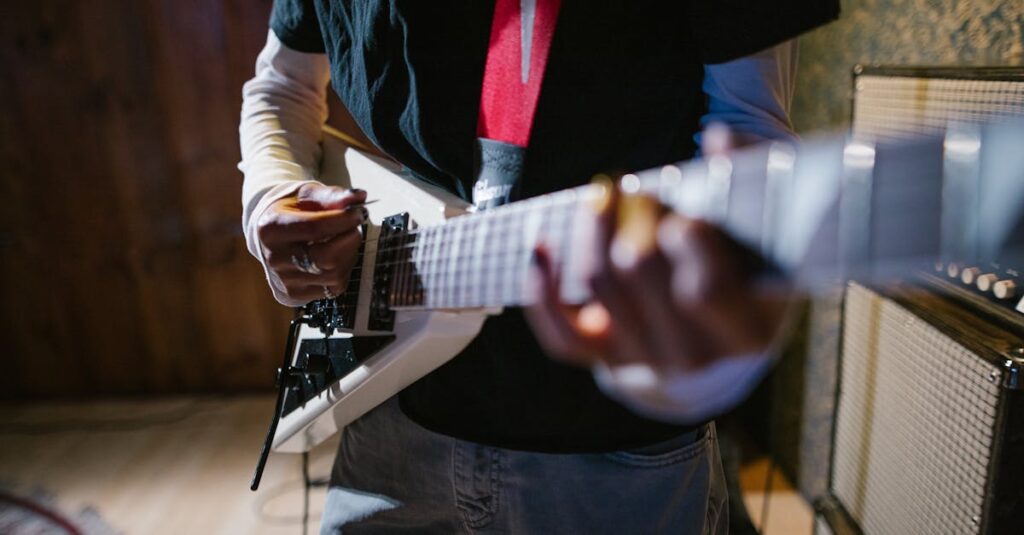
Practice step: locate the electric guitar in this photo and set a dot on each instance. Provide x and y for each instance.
(431, 269)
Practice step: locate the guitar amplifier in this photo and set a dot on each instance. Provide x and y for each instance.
(929, 418)
(895, 103)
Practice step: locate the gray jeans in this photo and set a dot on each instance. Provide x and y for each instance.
(393, 476)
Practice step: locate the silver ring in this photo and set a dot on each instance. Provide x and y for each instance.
(328, 293)
(306, 264)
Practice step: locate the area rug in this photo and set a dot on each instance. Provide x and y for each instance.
(38, 513)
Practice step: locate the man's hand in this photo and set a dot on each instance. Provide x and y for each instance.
(322, 222)
(669, 292)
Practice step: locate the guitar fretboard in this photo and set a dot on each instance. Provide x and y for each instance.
(482, 259)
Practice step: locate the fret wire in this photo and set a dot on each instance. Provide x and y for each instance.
(456, 244)
(479, 242)
(568, 273)
(467, 243)
(416, 254)
(410, 284)
(436, 266)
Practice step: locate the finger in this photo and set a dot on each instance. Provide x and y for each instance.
(664, 336)
(304, 294)
(550, 320)
(708, 278)
(338, 253)
(604, 207)
(601, 277)
(298, 279)
(316, 196)
(636, 267)
(286, 224)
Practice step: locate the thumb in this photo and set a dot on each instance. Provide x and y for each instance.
(315, 196)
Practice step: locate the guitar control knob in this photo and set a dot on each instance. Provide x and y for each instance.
(969, 274)
(1005, 289)
(953, 270)
(986, 281)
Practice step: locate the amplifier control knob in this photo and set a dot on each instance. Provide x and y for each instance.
(1005, 289)
(969, 274)
(986, 281)
(953, 270)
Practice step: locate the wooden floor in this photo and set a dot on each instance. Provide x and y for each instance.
(182, 466)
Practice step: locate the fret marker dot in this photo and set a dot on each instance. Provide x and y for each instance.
(630, 184)
(671, 174)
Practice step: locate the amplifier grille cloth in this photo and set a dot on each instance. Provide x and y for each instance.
(894, 107)
(914, 424)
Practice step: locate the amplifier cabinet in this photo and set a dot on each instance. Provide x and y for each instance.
(929, 431)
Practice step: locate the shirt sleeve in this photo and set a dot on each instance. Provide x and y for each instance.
(753, 95)
(688, 397)
(729, 29)
(295, 23)
(284, 108)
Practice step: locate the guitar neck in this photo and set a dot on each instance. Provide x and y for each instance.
(820, 212)
(481, 260)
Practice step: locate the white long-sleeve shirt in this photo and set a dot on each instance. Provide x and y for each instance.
(283, 112)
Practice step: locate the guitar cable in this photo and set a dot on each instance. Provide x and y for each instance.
(306, 484)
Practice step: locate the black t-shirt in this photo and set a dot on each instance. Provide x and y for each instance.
(622, 91)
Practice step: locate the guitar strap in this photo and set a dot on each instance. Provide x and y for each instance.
(517, 56)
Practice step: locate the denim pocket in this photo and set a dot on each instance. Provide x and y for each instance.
(477, 480)
(676, 450)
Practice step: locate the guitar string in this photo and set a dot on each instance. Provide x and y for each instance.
(433, 269)
(475, 289)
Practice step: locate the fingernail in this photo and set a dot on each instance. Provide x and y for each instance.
(357, 191)
(602, 200)
(638, 217)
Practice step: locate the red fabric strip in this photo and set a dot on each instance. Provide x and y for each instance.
(506, 104)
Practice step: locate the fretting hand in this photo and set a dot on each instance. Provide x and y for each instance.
(678, 322)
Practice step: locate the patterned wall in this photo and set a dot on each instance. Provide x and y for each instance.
(892, 32)
(900, 32)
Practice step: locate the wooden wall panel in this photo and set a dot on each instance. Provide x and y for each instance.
(121, 252)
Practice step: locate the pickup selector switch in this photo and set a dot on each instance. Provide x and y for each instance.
(1005, 289)
(969, 274)
(986, 281)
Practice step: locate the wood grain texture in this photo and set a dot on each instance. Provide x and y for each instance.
(121, 250)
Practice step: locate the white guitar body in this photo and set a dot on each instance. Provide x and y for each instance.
(423, 340)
